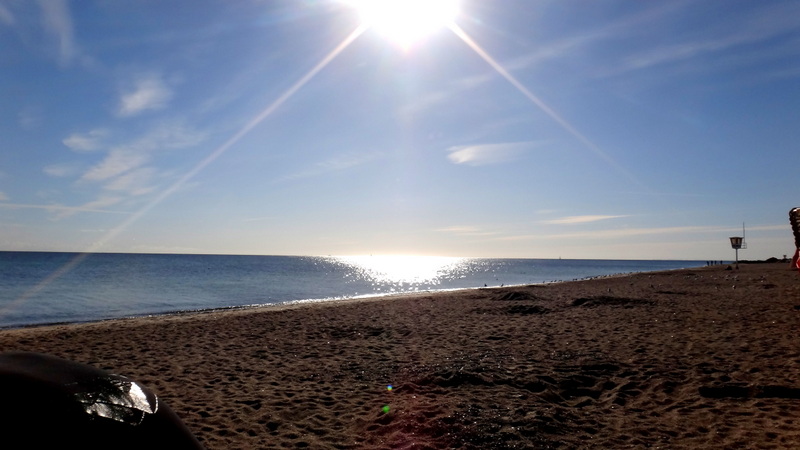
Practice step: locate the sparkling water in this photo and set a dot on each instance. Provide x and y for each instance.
(38, 288)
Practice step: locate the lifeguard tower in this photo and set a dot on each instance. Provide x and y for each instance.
(738, 242)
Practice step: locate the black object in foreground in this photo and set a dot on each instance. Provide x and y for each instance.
(794, 220)
(49, 402)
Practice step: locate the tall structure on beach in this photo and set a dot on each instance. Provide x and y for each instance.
(738, 242)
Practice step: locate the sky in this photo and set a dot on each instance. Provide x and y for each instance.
(610, 129)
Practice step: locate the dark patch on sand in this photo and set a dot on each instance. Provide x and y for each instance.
(518, 310)
(516, 296)
(734, 390)
(526, 309)
(604, 300)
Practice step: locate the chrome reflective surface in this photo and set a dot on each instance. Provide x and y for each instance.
(117, 398)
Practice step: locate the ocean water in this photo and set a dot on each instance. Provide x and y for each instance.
(40, 288)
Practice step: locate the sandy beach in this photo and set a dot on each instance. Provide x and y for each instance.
(701, 358)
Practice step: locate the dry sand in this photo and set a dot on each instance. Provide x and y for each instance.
(703, 358)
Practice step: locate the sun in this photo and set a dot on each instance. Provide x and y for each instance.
(406, 22)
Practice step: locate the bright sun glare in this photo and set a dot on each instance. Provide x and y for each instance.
(405, 22)
(399, 269)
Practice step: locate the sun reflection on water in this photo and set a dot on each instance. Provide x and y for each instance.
(404, 269)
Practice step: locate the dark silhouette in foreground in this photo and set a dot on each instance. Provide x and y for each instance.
(794, 220)
(50, 402)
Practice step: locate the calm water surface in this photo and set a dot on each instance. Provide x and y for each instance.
(38, 288)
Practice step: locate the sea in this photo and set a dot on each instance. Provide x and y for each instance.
(38, 288)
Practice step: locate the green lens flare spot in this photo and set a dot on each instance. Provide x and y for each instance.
(385, 409)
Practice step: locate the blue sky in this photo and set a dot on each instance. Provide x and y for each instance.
(574, 129)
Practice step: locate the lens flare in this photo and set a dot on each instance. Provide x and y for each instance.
(406, 22)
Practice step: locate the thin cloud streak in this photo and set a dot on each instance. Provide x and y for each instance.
(466, 231)
(454, 89)
(770, 21)
(61, 208)
(338, 164)
(626, 26)
(631, 232)
(786, 226)
(579, 219)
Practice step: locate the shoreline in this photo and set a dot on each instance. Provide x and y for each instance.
(687, 358)
(300, 302)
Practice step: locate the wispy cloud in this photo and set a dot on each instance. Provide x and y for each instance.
(47, 26)
(624, 233)
(29, 118)
(484, 154)
(118, 161)
(94, 206)
(61, 170)
(97, 205)
(136, 182)
(417, 104)
(58, 22)
(466, 230)
(730, 40)
(744, 33)
(553, 50)
(781, 227)
(85, 142)
(579, 219)
(128, 170)
(675, 53)
(5, 15)
(458, 229)
(335, 164)
(147, 92)
(259, 219)
(123, 158)
(102, 202)
(173, 249)
(625, 26)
